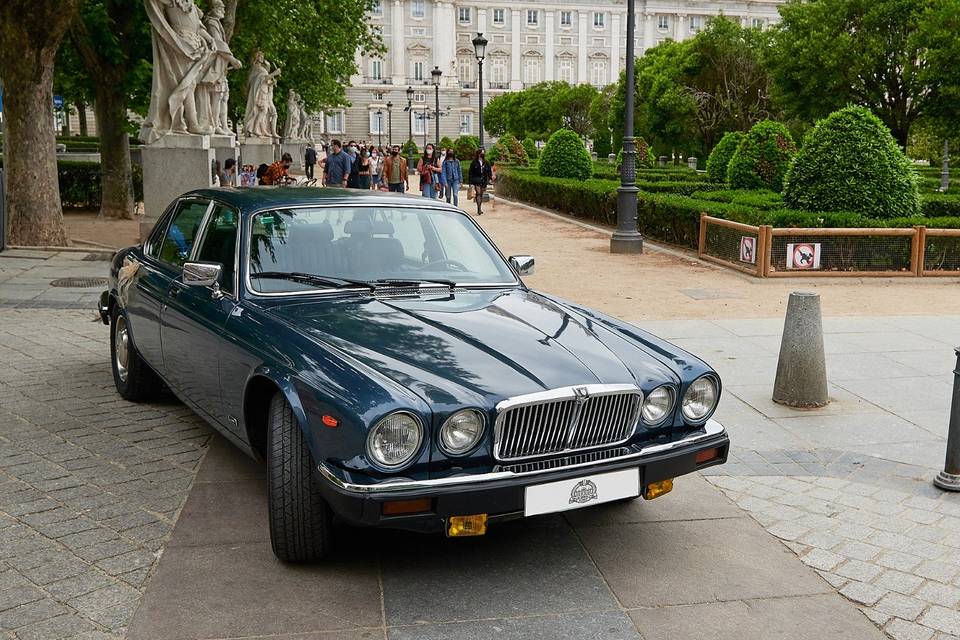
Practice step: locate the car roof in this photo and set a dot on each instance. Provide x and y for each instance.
(248, 199)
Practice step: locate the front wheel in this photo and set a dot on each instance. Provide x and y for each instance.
(134, 379)
(300, 519)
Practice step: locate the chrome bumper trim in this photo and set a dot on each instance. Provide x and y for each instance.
(711, 429)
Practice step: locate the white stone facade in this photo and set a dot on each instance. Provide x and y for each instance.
(529, 42)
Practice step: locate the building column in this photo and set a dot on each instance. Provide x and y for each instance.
(680, 32)
(357, 78)
(649, 39)
(516, 79)
(615, 48)
(550, 62)
(396, 54)
(584, 36)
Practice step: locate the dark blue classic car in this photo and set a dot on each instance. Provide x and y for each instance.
(392, 369)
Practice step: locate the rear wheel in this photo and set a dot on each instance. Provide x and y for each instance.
(300, 519)
(134, 379)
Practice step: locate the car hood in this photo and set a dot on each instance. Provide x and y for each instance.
(475, 346)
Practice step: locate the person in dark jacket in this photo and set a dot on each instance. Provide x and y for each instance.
(309, 160)
(480, 176)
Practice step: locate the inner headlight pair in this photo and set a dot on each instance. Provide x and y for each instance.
(394, 440)
(697, 404)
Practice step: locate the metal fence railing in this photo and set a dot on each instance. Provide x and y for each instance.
(768, 252)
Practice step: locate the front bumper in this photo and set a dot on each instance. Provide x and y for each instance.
(501, 494)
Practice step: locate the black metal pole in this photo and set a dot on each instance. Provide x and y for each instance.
(945, 170)
(410, 116)
(949, 478)
(436, 92)
(480, 85)
(626, 239)
(390, 129)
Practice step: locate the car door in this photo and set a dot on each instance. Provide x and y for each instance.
(162, 260)
(193, 320)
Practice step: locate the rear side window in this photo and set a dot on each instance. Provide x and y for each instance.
(183, 231)
(220, 242)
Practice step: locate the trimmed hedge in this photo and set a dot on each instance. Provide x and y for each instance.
(80, 184)
(593, 199)
(850, 161)
(940, 204)
(719, 159)
(762, 158)
(530, 146)
(564, 156)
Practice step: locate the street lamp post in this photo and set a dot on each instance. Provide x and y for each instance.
(480, 51)
(626, 239)
(410, 111)
(390, 124)
(436, 73)
(379, 127)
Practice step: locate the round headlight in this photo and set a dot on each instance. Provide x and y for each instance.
(461, 431)
(657, 405)
(700, 399)
(395, 439)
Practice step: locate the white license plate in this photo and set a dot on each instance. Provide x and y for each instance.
(585, 491)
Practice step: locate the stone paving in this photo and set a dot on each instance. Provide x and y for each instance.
(90, 485)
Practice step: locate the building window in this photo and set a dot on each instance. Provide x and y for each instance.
(532, 39)
(531, 71)
(419, 96)
(466, 124)
(376, 69)
(419, 122)
(377, 8)
(376, 122)
(599, 42)
(566, 18)
(417, 8)
(598, 73)
(418, 70)
(418, 31)
(498, 16)
(696, 23)
(565, 71)
(378, 96)
(335, 122)
(663, 23)
(463, 15)
(758, 23)
(533, 17)
(498, 72)
(598, 20)
(465, 69)
(566, 41)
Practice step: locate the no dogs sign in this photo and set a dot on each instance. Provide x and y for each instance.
(803, 255)
(748, 249)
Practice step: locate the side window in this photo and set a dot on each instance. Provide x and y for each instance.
(220, 242)
(155, 239)
(183, 231)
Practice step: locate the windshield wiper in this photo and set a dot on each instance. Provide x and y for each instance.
(410, 282)
(311, 278)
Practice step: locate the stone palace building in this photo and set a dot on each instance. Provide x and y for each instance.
(528, 42)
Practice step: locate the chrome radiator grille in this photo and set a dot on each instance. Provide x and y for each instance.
(567, 419)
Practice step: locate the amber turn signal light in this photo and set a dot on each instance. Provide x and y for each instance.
(401, 507)
(707, 455)
(657, 489)
(330, 421)
(462, 526)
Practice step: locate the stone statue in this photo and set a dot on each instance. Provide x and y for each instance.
(291, 129)
(182, 52)
(214, 90)
(306, 123)
(260, 118)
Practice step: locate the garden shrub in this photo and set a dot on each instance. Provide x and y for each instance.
(603, 148)
(940, 204)
(512, 150)
(645, 157)
(762, 158)
(762, 200)
(530, 146)
(564, 156)
(466, 146)
(593, 199)
(410, 151)
(851, 162)
(719, 158)
(80, 184)
(498, 153)
(446, 142)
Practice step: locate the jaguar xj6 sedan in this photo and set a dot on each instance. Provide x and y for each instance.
(392, 369)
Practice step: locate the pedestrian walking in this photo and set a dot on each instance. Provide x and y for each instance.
(480, 175)
(395, 171)
(337, 167)
(452, 177)
(364, 170)
(429, 171)
(376, 168)
(309, 160)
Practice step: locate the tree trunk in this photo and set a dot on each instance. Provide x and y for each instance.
(82, 116)
(33, 29)
(116, 176)
(65, 128)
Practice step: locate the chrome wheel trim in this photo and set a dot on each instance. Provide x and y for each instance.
(121, 348)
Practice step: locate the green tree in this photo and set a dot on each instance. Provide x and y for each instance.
(30, 35)
(762, 158)
(572, 105)
(565, 156)
(719, 158)
(530, 146)
(446, 142)
(71, 82)
(466, 146)
(599, 116)
(850, 162)
(885, 55)
(496, 113)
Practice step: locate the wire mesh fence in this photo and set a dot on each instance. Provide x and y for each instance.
(861, 253)
(734, 244)
(941, 252)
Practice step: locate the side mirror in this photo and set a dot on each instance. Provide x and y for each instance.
(523, 265)
(201, 274)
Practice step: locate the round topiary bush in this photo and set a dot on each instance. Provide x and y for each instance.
(466, 147)
(645, 157)
(498, 153)
(565, 156)
(851, 162)
(530, 147)
(762, 158)
(719, 158)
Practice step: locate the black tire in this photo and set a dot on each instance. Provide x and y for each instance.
(300, 519)
(134, 379)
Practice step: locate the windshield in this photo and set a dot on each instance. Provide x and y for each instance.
(348, 244)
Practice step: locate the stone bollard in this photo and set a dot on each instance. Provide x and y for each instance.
(662, 161)
(612, 158)
(949, 478)
(692, 163)
(802, 370)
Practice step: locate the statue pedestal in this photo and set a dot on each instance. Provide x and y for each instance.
(173, 165)
(257, 151)
(296, 150)
(224, 147)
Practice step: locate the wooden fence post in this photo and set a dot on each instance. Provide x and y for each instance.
(702, 240)
(766, 256)
(919, 249)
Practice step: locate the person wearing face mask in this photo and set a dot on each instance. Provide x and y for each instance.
(452, 177)
(429, 169)
(480, 176)
(376, 167)
(395, 171)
